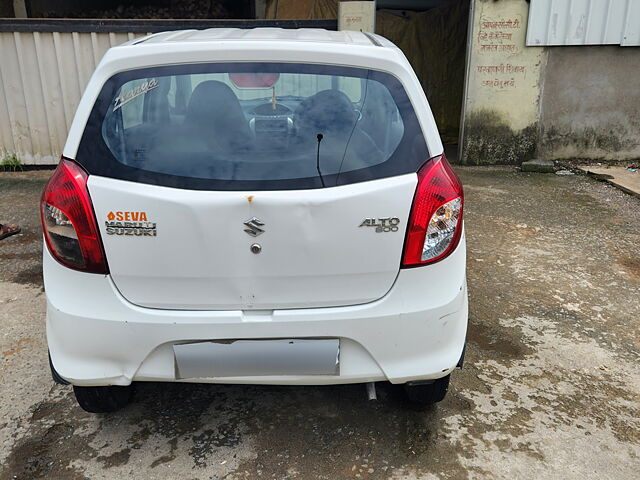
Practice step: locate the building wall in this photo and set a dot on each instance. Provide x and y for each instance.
(554, 102)
(503, 86)
(590, 105)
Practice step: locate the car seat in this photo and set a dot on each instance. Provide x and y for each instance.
(215, 116)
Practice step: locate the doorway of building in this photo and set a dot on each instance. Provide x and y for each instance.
(433, 36)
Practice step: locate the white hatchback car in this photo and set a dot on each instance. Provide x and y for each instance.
(258, 206)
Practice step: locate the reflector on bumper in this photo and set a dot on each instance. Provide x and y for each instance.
(238, 358)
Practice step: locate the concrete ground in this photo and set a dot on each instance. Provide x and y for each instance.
(550, 388)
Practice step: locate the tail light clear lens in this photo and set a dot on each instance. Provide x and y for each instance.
(435, 224)
(68, 221)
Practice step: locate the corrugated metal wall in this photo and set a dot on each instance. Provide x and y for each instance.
(45, 65)
(584, 22)
(42, 76)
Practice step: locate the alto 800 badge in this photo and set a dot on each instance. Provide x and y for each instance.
(383, 224)
(130, 223)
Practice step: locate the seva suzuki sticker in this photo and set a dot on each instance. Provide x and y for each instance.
(130, 223)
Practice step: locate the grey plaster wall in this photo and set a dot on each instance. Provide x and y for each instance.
(590, 103)
(502, 92)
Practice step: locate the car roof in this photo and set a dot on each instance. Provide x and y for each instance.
(266, 34)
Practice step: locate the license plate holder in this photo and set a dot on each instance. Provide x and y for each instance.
(268, 357)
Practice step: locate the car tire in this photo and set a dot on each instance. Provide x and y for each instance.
(427, 393)
(103, 399)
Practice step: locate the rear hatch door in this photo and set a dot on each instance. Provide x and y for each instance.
(181, 249)
(252, 185)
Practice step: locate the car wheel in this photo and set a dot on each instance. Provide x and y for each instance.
(103, 399)
(427, 393)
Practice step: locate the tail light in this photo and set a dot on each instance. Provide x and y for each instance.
(68, 222)
(435, 224)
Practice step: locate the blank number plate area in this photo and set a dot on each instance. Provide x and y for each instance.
(239, 358)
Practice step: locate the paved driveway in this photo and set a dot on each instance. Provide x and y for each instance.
(550, 388)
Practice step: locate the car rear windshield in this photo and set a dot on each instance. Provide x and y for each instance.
(252, 126)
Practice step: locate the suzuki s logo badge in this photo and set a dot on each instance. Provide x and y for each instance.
(253, 226)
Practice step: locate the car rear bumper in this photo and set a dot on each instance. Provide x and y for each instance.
(417, 331)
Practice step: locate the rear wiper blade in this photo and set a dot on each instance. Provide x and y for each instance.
(319, 137)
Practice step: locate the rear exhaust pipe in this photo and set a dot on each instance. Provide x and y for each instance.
(371, 391)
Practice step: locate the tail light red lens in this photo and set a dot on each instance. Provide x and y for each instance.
(435, 224)
(68, 221)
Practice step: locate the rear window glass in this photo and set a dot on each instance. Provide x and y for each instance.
(246, 126)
